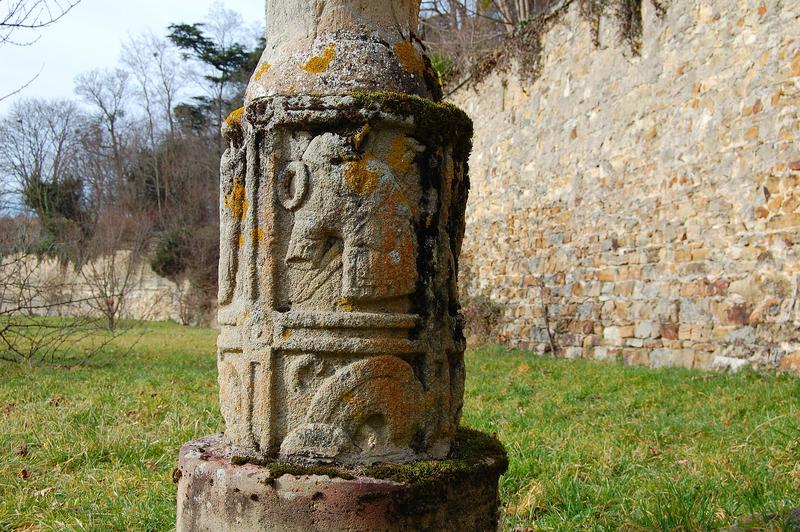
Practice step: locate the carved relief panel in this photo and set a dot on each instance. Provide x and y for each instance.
(341, 223)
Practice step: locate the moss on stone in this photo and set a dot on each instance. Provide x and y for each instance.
(474, 453)
(435, 121)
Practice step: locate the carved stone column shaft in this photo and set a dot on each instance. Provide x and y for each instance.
(341, 339)
(341, 350)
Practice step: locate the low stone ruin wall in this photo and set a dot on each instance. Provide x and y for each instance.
(48, 287)
(643, 208)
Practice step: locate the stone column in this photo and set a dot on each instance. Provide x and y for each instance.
(343, 189)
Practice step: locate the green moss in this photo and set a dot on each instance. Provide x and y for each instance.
(435, 121)
(278, 469)
(432, 117)
(473, 453)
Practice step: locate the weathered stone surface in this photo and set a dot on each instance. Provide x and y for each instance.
(336, 47)
(455, 495)
(341, 226)
(341, 342)
(655, 191)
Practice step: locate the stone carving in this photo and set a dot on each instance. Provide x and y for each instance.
(341, 225)
(341, 340)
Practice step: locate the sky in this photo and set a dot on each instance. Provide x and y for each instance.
(91, 35)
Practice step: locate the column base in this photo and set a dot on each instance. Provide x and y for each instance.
(458, 494)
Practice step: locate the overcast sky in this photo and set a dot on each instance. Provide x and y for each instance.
(90, 37)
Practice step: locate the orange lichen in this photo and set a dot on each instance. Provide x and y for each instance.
(399, 159)
(361, 136)
(360, 178)
(409, 57)
(235, 118)
(794, 68)
(320, 63)
(262, 70)
(236, 200)
(257, 236)
(396, 269)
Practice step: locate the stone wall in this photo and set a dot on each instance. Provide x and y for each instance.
(55, 288)
(644, 208)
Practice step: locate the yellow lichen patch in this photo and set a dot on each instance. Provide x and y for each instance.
(235, 118)
(794, 68)
(241, 241)
(262, 70)
(360, 178)
(399, 159)
(409, 57)
(361, 136)
(287, 333)
(320, 63)
(257, 236)
(236, 201)
(394, 267)
(345, 305)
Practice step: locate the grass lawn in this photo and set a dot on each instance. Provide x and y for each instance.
(592, 446)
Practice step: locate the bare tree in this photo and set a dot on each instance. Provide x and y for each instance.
(461, 32)
(29, 16)
(38, 143)
(39, 148)
(41, 315)
(107, 92)
(113, 260)
(159, 77)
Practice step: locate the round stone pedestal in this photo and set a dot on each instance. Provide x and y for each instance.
(460, 494)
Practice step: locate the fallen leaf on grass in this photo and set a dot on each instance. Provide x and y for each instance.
(24, 474)
(55, 401)
(521, 370)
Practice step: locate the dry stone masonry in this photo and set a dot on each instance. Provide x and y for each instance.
(645, 208)
(343, 189)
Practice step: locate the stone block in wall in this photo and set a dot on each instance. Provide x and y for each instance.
(647, 329)
(729, 364)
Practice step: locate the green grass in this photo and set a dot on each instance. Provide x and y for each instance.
(592, 446)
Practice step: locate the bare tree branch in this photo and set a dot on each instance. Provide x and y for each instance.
(31, 15)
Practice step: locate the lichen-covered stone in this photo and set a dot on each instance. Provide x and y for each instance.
(341, 339)
(344, 185)
(336, 47)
